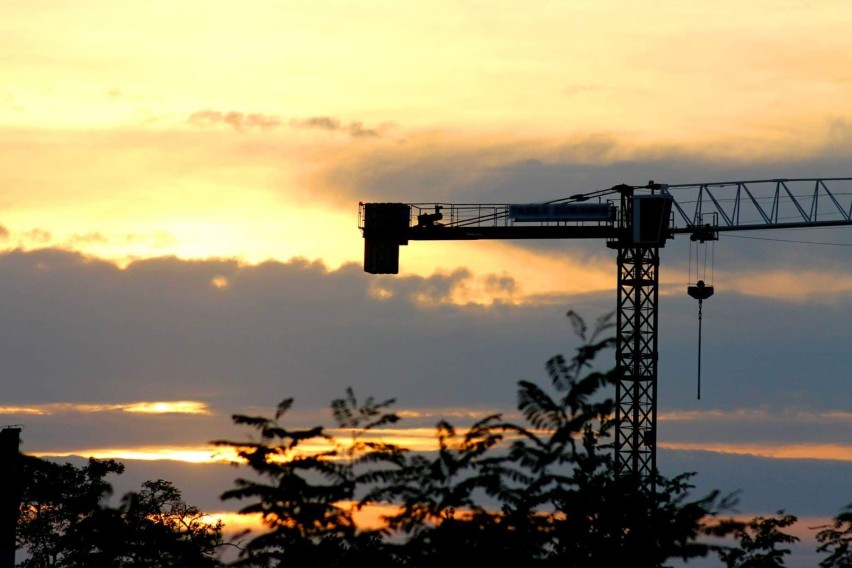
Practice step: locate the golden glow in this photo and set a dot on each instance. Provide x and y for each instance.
(646, 70)
(414, 439)
(11, 409)
(446, 413)
(526, 273)
(173, 407)
(236, 522)
(157, 138)
(203, 454)
(813, 451)
(368, 517)
(751, 414)
(159, 407)
(791, 285)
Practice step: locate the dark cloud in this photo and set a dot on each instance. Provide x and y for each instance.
(162, 330)
(82, 330)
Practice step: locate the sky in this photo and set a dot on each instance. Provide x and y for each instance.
(179, 189)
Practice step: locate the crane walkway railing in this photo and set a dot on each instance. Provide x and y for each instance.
(717, 206)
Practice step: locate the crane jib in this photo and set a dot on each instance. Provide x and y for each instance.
(637, 225)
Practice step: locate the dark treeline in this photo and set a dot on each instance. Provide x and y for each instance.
(539, 493)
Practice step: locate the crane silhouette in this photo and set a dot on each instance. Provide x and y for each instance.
(636, 221)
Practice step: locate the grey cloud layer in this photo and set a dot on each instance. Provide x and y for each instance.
(82, 330)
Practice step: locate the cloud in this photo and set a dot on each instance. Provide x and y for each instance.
(207, 454)
(757, 414)
(783, 451)
(356, 129)
(38, 236)
(322, 122)
(92, 237)
(239, 121)
(161, 330)
(244, 122)
(503, 283)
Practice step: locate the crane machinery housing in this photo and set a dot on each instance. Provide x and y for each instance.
(636, 221)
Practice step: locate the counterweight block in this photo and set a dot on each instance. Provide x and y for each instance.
(385, 227)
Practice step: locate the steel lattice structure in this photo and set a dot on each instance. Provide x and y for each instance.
(637, 225)
(636, 356)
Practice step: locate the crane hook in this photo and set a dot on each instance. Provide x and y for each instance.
(700, 292)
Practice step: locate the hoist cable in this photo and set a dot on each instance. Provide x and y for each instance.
(700, 302)
(713, 264)
(689, 274)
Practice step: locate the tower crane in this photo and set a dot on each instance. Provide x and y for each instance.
(636, 221)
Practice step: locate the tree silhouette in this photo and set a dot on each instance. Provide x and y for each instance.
(837, 540)
(539, 493)
(59, 501)
(305, 497)
(758, 541)
(65, 523)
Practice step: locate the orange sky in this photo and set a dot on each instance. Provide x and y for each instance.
(130, 131)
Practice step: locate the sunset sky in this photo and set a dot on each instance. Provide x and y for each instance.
(179, 189)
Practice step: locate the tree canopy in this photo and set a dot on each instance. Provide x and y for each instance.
(538, 493)
(66, 523)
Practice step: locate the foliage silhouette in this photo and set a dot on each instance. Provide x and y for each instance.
(64, 522)
(837, 540)
(539, 493)
(305, 497)
(758, 540)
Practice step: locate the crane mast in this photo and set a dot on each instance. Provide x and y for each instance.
(636, 221)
